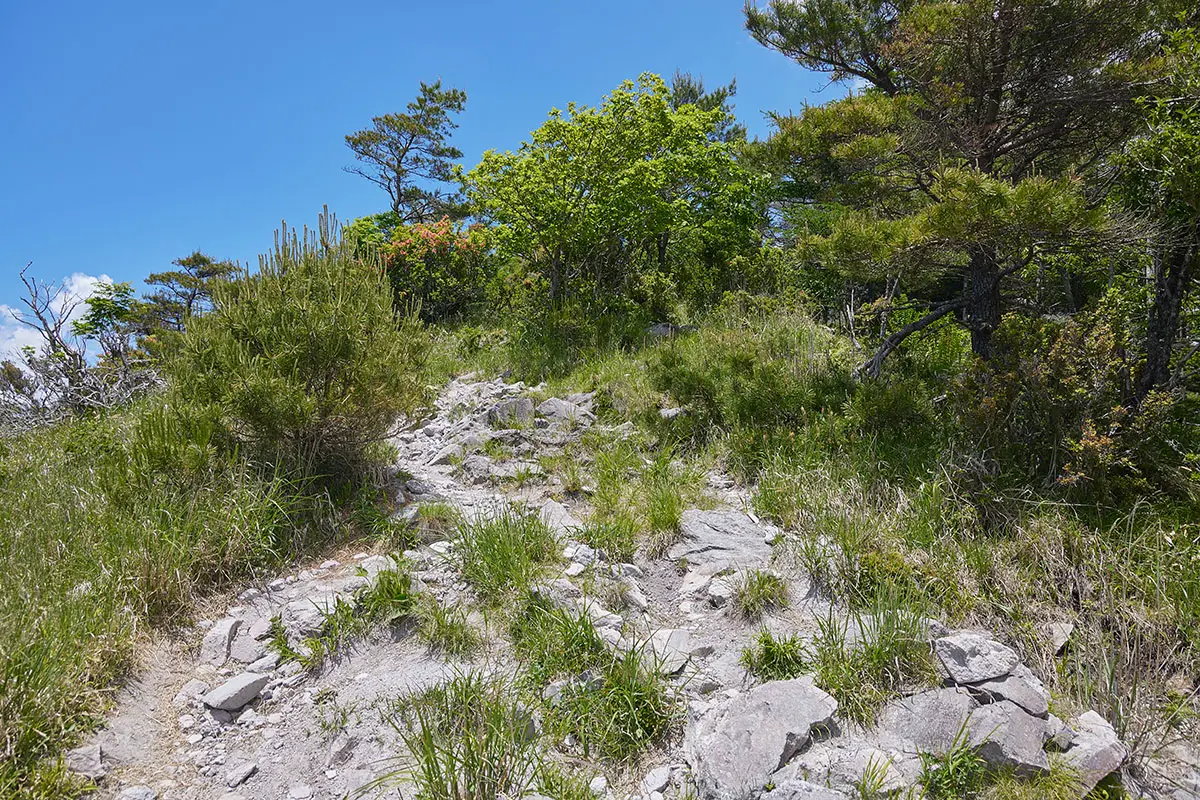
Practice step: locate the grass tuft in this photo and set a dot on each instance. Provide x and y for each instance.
(758, 592)
(504, 553)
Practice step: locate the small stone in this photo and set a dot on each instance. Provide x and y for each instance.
(236, 692)
(186, 722)
(330, 564)
(86, 761)
(260, 629)
(192, 690)
(632, 594)
(599, 786)
(656, 780)
(264, 664)
(574, 570)
(972, 657)
(214, 649)
(195, 738)
(240, 774)
(299, 791)
(340, 749)
(1058, 634)
(138, 793)
(442, 548)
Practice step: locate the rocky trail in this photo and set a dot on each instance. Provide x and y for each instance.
(218, 716)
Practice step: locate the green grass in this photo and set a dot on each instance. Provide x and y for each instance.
(505, 553)
(628, 707)
(771, 658)
(387, 601)
(469, 738)
(445, 629)
(106, 525)
(437, 520)
(553, 642)
(758, 592)
(959, 773)
(616, 537)
(890, 657)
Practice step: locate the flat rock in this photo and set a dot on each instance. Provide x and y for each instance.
(560, 520)
(1021, 687)
(240, 773)
(138, 793)
(564, 411)
(447, 455)
(736, 746)
(86, 761)
(514, 410)
(928, 722)
(214, 649)
(972, 657)
(1095, 751)
(236, 692)
(671, 648)
(246, 648)
(803, 790)
(656, 780)
(1005, 735)
(722, 538)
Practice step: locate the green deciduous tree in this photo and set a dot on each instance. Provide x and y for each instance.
(587, 200)
(409, 156)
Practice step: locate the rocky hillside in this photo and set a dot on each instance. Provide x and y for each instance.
(297, 689)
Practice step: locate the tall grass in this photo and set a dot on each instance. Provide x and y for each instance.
(95, 543)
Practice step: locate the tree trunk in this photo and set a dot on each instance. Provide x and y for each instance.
(1172, 278)
(981, 300)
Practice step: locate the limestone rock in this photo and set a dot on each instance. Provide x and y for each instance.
(1005, 735)
(1096, 751)
(564, 411)
(972, 657)
(240, 773)
(656, 780)
(1021, 687)
(214, 649)
(926, 722)
(138, 793)
(803, 790)
(86, 761)
(514, 410)
(447, 455)
(734, 749)
(671, 648)
(723, 538)
(236, 692)
(560, 520)
(844, 767)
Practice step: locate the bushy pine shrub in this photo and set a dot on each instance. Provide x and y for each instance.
(306, 360)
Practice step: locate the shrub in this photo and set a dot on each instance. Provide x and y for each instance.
(305, 360)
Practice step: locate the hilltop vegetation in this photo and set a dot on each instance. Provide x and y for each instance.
(943, 330)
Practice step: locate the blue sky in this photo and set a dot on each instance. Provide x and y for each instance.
(134, 132)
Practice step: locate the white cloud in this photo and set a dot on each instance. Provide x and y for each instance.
(76, 288)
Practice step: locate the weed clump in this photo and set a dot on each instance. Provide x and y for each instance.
(758, 592)
(771, 658)
(504, 553)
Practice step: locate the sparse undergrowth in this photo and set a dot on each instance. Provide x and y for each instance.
(757, 592)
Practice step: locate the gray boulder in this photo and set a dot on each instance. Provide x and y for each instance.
(972, 657)
(1096, 751)
(722, 538)
(1021, 687)
(237, 691)
(1005, 735)
(844, 766)
(734, 749)
(670, 648)
(928, 722)
(558, 517)
(515, 410)
(564, 411)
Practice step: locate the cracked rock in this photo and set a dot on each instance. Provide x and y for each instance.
(972, 657)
